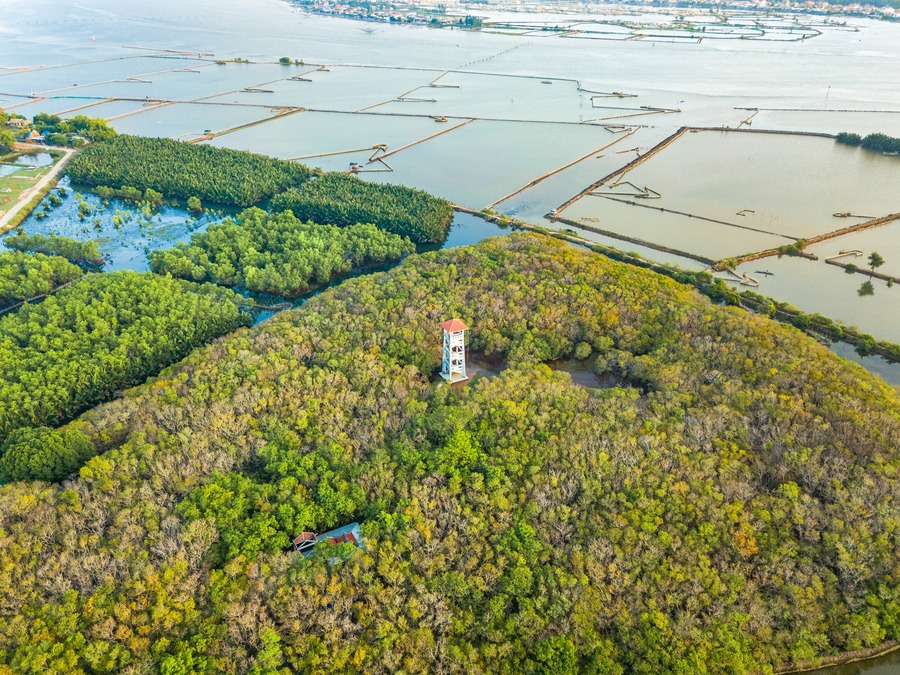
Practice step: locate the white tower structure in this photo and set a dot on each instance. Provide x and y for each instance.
(453, 365)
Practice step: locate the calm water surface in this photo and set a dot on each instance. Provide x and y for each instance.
(886, 665)
(124, 234)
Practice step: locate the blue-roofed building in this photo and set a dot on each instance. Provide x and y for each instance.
(306, 541)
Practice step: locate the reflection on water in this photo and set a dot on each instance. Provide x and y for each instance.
(25, 162)
(124, 233)
(889, 372)
(815, 287)
(35, 159)
(889, 664)
(754, 191)
(884, 239)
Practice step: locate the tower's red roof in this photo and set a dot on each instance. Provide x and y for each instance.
(454, 326)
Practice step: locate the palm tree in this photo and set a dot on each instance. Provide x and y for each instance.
(875, 260)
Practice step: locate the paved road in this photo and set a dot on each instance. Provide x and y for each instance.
(26, 196)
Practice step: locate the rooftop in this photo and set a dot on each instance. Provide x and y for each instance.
(306, 541)
(454, 326)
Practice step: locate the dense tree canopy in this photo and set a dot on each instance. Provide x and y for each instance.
(277, 254)
(84, 253)
(184, 170)
(6, 140)
(345, 200)
(43, 453)
(731, 503)
(104, 333)
(24, 276)
(882, 143)
(93, 128)
(878, 142)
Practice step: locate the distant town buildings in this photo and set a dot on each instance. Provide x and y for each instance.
(450, 13)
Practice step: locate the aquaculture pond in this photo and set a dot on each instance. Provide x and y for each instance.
(813, 286)
(198, 69)
(25, 163)
(745, 191)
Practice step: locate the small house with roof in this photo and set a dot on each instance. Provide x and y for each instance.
(35, 136)
(305, 542)
(17, 122)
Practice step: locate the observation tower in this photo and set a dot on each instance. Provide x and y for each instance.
(453, 365)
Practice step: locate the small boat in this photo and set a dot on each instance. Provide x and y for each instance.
(440, 118)
(765, 272)
(549, 82)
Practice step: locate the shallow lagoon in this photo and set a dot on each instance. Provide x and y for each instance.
(66, 79)
(125, 246)
(691, 235)
(333, 88)
(499, 97)
(69, 106)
